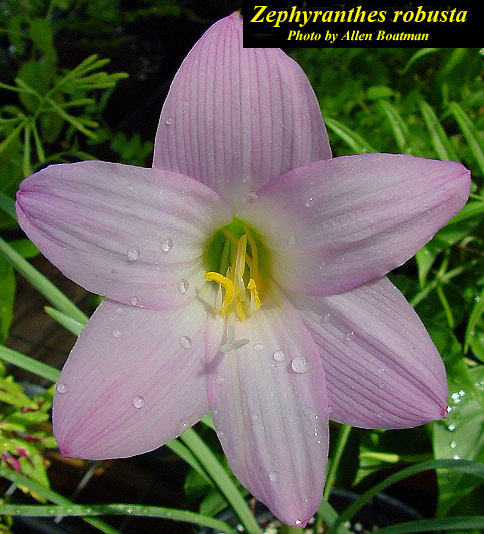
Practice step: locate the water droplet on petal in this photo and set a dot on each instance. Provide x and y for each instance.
(61, 388)
(298, 522)
(299, 365)
(273, 476)
(130, 188)
(309, 202)
(349, 336)
(219, 380)
(258, 347)
(183, 286)
(133, 254)
(166, 244)
(279, 356)
(251, 197)
(169, 121)
(134, 301)
(138, 402)
(116, 333)
(185, 342)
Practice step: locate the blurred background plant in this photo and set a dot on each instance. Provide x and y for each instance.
(65, 96)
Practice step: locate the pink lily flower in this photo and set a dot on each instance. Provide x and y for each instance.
(244, 274)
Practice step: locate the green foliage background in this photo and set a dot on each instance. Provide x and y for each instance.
(424, 102)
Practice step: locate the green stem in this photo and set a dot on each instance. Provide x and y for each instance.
(221, 479)
(41, 283)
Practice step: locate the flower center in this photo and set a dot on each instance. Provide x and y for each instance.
(238, 261)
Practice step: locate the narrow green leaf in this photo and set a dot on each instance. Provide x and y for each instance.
(69, 510)
(29, 364)
(71, 119)
(221, 478)
(441, 143)
(52, 496)
(350, 137)
(425, 525)
(476, 313)
(464, 466)
(41, 283)
(7, 204)
(187, 456)
(418, 55)
(11, 137)
(471, 133)
(398, 125)
(74, 327)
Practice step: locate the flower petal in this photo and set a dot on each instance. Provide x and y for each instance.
(134, 380)
(382, 369)
(269, 407)
(134, 235)
(236, 117)
(336, 224)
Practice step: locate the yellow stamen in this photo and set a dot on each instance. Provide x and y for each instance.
(233, 283)
(254, 294)
(227, 284)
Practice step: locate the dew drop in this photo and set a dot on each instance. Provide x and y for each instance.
(298, 522)
(61, 388)
(133, 254)
(138, 402)
(325, 318)
(119, 311)
(452, 427)
(258, 347)
(130, 188)
(183, 286)
(166, 244)
(219, 380)
(251, 197)
(349, 336)
(309, 202)
(134, 301)
(299, 365)
(279, 356)
(169, 121)
(453, 444)
(116, 333)
(185, 342)
(273, 476)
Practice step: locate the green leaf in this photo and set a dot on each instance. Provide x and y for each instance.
(461, 436)
(350, 137)
(440, 142)
(42, 35)
(427, 525)
(376, 92)
(417, 56)
(475, 316)
(471, 133)
(75, 327)
(29, 364)
(459, 466)
(85, 511)
(7, 298)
